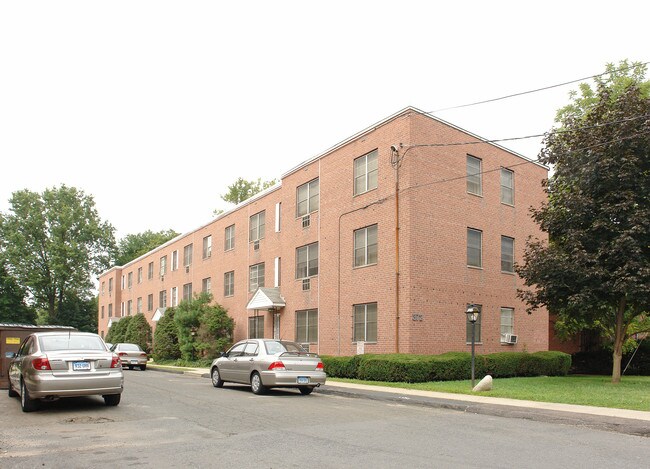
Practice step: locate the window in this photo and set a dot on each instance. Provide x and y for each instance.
(468, 325)
(150, 271)
(110, 310)
(307, 261)
(256, 230)
(255, 277)
(175, 260)
(102, 312)
(187, 292)
(365, 322)
(150, 302)
(163, 265)
(110, 286)
(122, 309)
(174, 296)
(507, 322)
(123, 284)
(206, 285)
(103, 288)
(278, 272)
(474, 178)
(207, 247)
(307, 326)
(256, 327)
(130, 280)
(474, 242)
(229, 283)
(139, 310)
(507, 254)
(230, 238)
(278, 214)
(507, 186)
(139, 274)
(162, 299)
(365, 246)
(129, 307)
(365, 173)
(187, 255)
(307, 197)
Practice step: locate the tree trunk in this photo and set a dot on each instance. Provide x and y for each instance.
(619, 339)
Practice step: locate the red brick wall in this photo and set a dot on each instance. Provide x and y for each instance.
(434, 213)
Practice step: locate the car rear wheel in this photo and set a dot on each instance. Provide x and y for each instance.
(306, 390)
(130, 367)
(256, 384)
(217, 382)
(27, 404)
(112, 399)
(12, 393)
(143, 367)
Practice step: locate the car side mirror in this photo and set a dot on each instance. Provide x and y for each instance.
(224, 354)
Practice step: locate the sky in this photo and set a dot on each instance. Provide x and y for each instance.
(154, 107)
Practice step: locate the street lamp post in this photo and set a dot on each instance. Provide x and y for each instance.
(472, 316)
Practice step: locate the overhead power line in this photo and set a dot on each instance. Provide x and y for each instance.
(537, 89)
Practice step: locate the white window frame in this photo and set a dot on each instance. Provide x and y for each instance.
(175, 259)
(229, 238)
(474, 175)
(507, 186)
(254, 273)
(366, 324)
(471, 246)
(207, 247)
(370, 177)
(507, 324)
(257, 223)
(365, 246)
(229, 283)
(508, 256)
(307, 325)
(309, 200)
(307, 261)
(174, 296)
(188, 252)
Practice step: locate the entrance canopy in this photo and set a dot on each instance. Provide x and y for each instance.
(266, 298)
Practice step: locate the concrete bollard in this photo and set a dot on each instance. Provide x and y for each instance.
(484, 385)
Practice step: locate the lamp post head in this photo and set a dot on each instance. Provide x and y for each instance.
(473, 313)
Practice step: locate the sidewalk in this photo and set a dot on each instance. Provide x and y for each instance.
(633, 422)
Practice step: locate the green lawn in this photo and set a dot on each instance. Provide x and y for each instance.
(633, 392)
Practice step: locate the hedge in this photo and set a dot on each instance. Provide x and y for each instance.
(450, 366)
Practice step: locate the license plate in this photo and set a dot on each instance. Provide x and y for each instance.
(134, 362)
(303, 380)
(80, 366)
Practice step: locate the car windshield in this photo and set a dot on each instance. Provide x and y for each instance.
(274, 347)
(53, 343)
(130, 347)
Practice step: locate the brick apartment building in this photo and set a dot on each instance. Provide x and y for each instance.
(384, 239)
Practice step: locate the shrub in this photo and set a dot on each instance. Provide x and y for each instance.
(139, 332)
(165, 345)
(450, 366)
(117, 332)
(599, 362)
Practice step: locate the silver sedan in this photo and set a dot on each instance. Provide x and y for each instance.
(51, 365)
(268, 363)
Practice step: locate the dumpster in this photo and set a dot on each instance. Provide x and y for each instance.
(11, 336)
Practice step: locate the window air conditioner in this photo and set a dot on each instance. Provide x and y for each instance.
(306, 284)
(511, 339)
(187, 269)
(306, 221)
(256, 245)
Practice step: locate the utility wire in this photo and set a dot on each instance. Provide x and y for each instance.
(538, 89)
(440, 181)
(476, 142)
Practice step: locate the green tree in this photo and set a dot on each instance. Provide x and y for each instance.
(117, 332)
(138, 332)
(54, 244)
(79, 313)
(165, 343)
(243, 189)
(133, 246)
(215, 331)
(595, 270)
(201, 327)
(13, 308)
